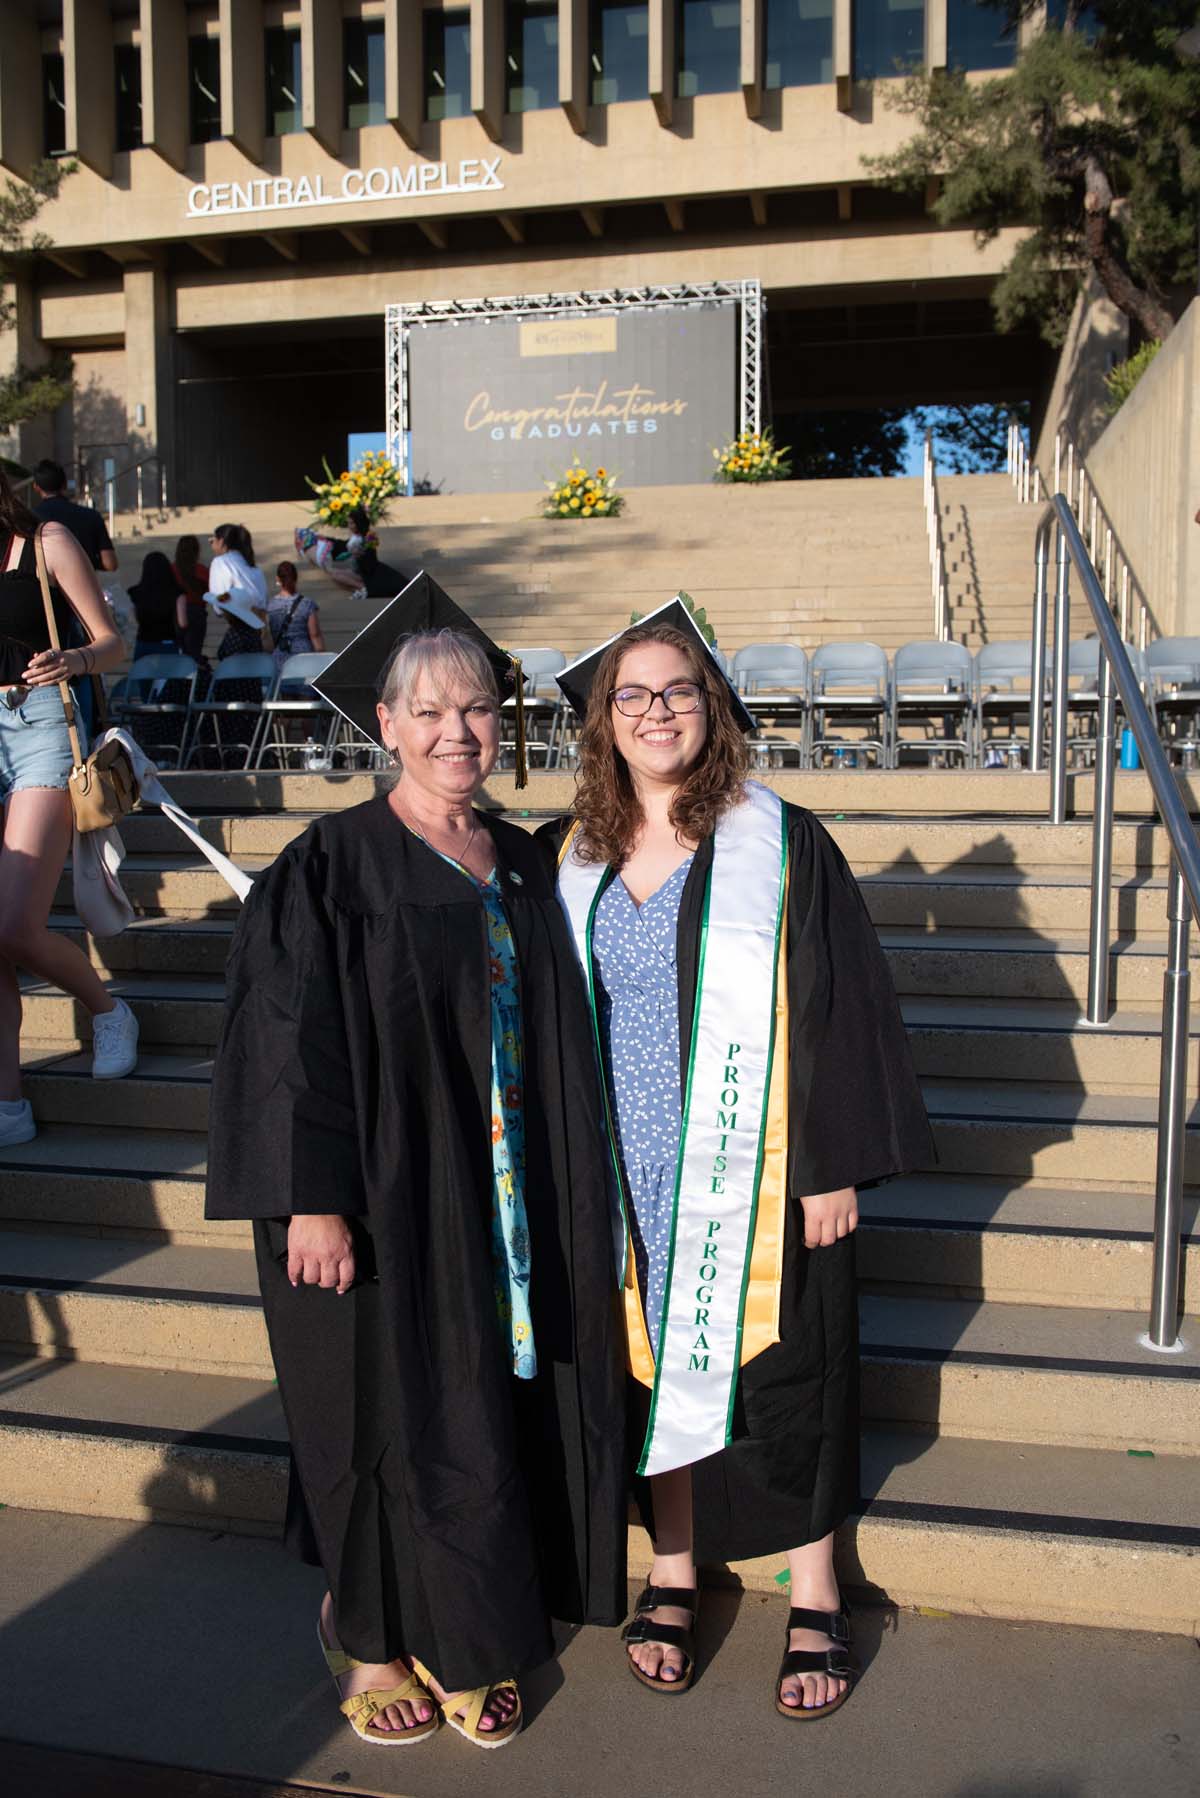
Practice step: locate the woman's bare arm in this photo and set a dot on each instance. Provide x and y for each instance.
(70, 569)
(316, 635)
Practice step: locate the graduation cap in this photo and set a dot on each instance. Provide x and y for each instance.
(575, 681)
(353, 680)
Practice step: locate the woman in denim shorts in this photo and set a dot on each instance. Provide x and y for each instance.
(35, 763)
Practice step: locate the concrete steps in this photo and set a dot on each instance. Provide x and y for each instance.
(810, 562)
(1004, 1290)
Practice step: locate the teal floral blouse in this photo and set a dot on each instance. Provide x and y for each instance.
(510, 1226)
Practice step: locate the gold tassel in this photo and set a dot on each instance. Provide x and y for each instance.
(522, 769)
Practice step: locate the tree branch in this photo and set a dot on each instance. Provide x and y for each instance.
(1110, 267)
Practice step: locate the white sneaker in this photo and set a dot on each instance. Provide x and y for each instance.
(17, 1125)
(114, 1043)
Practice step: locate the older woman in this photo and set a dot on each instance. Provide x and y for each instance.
(406, 1058)
(35, 765)
(757, 1072)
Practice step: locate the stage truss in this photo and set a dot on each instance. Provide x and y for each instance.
(403, 320)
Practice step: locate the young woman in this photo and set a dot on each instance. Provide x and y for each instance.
(191, 615)
(35, 762)
(353, 561)
(757, 1073)
(293, 620)
(156, 600)
(234, 575)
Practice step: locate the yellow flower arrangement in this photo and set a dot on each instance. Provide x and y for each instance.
(752, 456)
(371, 483)
(578, 494)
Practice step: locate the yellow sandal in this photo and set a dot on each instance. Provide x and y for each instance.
(476, 1703)
(363, 1708)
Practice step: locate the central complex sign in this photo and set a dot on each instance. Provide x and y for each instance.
(503, 404)
(386, 181)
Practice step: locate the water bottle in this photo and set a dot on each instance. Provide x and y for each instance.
(1129, 750)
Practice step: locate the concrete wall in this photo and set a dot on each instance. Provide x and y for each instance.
(1146, 467)
(1097, 337)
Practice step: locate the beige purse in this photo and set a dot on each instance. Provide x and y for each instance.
(103, 788)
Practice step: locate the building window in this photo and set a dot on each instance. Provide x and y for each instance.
(447, 65)
(799, 43)
(204, 89)
(976, 37)
(620, 51)
(363, 81)
(531, 55)
(889, 36)
(710, 40)
(285, 92)
(127, 61)
(54, 106)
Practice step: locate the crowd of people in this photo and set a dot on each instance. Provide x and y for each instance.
(172, 601)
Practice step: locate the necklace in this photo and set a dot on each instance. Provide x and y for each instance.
(416, 828)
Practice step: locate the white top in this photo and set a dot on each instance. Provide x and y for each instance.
(231, 573)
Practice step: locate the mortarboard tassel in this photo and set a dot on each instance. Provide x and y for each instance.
(522, 768)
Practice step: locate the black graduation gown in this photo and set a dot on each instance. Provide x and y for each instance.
(790, 1474)
(451, 1505)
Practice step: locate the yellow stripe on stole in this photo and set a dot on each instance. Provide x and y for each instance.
(760, 1322)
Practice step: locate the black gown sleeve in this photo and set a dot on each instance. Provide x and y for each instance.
(856, 1114)
(283, 1136)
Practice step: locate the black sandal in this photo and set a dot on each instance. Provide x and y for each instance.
(643, 1628)
(835, 1660)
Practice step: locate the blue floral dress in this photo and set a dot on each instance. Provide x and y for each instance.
(510, 1225)
(637, 989)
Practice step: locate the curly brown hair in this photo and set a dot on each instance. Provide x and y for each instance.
(606, 802)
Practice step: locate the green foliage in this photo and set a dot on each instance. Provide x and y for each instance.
(699, 619)
(28, 392)
(969, 439)
(1123, 377)
(1092, 140)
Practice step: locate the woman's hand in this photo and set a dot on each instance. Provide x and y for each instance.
(320, 1251)
(50, 666)
(828, 1216)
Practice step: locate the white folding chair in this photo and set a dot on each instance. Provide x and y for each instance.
(1173, 690)
(851, 688)
(1002, 672)
(773, 680)
(291, 699)
(143, 694)
(242, 714)
(544, 704)
(932, 688)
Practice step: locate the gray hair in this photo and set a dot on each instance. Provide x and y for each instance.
(436, 662)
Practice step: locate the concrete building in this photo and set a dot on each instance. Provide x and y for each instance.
(257, 179)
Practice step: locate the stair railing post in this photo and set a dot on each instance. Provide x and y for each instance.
(1058, 461)
(1102, 846)
(1168, 1182)
(1037, 666)
(1058, 689)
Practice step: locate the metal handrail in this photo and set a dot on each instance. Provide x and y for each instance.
(937, 548)
(1120, 582)
(110, 485)
(1183, 898)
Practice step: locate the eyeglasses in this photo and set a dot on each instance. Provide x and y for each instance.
(680, 696)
